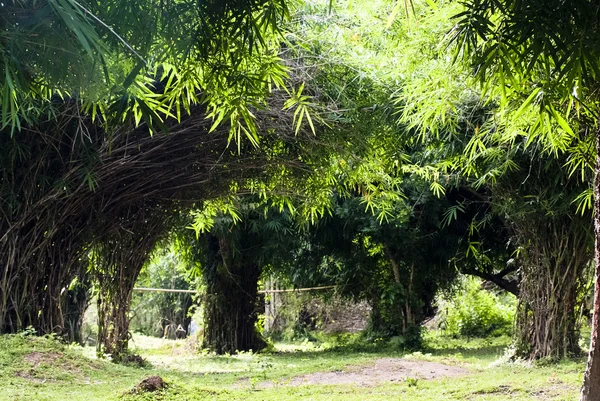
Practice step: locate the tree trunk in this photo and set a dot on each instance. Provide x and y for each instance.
(114, 300)
(591, 381)
(402, 314)
(231, 305)
(498, 279)
(376, 324)
(118, 261)
(269, 306)
(554, 266)
(408, 313)
(404, 310)
(76, 303)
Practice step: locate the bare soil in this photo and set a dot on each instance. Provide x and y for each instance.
(383, 370)
(44, 366)
(35, 358)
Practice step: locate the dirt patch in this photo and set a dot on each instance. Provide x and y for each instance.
(30, 377)
(383, 370)
(552, 392)
(36, 358)
(55, 367)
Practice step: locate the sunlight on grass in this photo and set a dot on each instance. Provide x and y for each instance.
(42, 369)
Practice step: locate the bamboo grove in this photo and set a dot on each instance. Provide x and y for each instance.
(361, 147)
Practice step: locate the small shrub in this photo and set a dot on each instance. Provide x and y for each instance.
(475, 312)
(412, 381)
(397, 342)
(413, 338)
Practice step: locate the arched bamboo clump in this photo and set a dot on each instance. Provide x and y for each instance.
(69, 188)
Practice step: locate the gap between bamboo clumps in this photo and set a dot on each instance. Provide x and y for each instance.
(327, 287)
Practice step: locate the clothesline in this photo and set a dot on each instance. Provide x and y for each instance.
(327, 287)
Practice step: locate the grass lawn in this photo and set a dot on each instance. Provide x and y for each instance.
(33, 368)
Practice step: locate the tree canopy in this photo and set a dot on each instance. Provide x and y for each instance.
(142, 60)
(380, 151)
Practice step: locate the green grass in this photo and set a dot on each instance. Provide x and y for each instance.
(33, 368)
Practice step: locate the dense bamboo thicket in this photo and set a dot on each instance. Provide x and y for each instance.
(68, 187)
(555, 271)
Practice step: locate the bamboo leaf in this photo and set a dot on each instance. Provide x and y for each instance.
(526, 103)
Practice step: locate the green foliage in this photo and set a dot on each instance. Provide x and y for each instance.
(540, 68)
(93, 79)
(290, 328)
(141, 61)
(514, 143)
(314, 316)
(413, 338)
(475, 312)
(397, 265)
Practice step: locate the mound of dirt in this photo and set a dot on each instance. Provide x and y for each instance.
(36, 373)
(383, 370)
(35, 358)
(149, 385)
